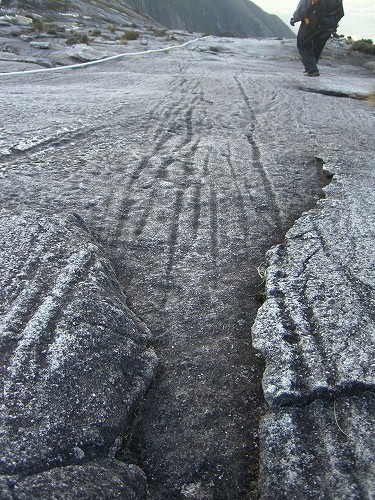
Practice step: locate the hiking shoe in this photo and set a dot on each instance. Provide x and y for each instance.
(313, 73)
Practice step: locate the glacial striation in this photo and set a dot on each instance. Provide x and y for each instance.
(75, 363)
(187, 166)
(316, 331)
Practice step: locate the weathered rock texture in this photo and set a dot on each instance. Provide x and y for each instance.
(187, 167)
(321, 451)
(75, 363)
(317, 333)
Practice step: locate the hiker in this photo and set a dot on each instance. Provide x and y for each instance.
(319, 20)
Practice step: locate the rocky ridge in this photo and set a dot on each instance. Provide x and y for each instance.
(233, 18)
(218, 17)
(94, 13)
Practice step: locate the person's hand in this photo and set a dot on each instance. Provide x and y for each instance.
(292, 21)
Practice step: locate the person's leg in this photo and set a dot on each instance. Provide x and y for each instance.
(306, 48)
(319, 42)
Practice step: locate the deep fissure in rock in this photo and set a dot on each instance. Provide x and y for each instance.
(196, 432)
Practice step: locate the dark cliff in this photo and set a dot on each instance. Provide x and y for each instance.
(230, 17)
(241, 18)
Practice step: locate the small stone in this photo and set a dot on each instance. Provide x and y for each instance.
(40, 45)
(370, 65)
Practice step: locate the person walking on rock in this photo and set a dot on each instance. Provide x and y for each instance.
(319, 20)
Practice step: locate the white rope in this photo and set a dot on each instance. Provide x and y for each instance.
(98, 61)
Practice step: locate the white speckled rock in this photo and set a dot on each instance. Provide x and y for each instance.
(316, 330)
(75, 361)
(187, 167)
(40, 45)
(324, 450)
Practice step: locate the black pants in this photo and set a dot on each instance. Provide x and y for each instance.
(310, 44)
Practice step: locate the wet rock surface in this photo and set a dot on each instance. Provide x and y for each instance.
(186, 168)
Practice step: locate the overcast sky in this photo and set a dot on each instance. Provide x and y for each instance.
(359, 20)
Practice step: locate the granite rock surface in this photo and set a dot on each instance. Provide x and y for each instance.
(316, 331)
(75, 361)
(187, 167)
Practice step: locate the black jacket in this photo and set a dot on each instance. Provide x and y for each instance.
(306, 7)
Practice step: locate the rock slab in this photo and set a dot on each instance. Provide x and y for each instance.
(75, 363)
(320, 451)
(316, 331)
